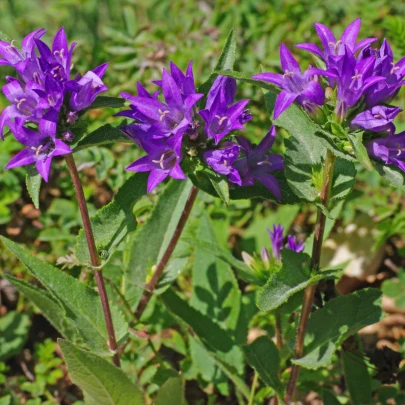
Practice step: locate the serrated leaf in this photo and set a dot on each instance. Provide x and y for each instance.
(102, 136)
(356, 140)
(151, 240)
(49, 307)
(81, 304)
(33, 181)
(329, 140)
(392, 174)
(335, 322)
(171, 392)
(102, 383)
(225, 61)
(14, 327)
(221, 186)
(215, 339)
(107, 101)
(344, 175)
(114, 221)
(293, 277)
(264, 357)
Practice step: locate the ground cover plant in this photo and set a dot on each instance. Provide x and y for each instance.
(188, 219)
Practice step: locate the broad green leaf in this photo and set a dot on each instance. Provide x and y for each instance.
(14, 327)
(33, 181)
(242, 270)
(356, 140)
(102, 383)
(104, 135)
(216, 339)
(396, 289)
(331, 142)
(5, 400)
(335, 322)
(49, 307)
(392, 174)
(151, 240)
(293, 277)
(114, 221)
(171, 392)
(248, 79)
(305, 153)
(357, 377)
(264, 357)
(225, 61)
(221, 186)
(215, 290)
(329, 398)
(107, 101)
(81, 303)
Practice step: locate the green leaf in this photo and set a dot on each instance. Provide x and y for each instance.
(293, 277)
(264, 357)
(225, 61)
(33, 181)
(392, 174)
(102, 383)
(358, 379)
(356, 140)
(49, 307)
(171, 392)
(114, 221)
(329, 398)
(305, 153)
(104, 135)
(396, 289)
(242, 270)
(215, 290)
(335, 322)
(248, 79)
(14, 327)
(81, 303)
(107, 101)
(151, 240)
(216, 339)
(221, 186)
(5, 400)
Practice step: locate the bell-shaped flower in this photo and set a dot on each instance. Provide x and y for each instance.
(163, 160)
(41, 146)
(258, 164)
(277, 238)
(301, 87)
(377, 119)
(221, 160)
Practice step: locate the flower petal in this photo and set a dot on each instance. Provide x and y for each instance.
(349, 35)
(155, 178)
(288, 61)
(310, 48)
(284, 100)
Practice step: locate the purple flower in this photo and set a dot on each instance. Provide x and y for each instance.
(333, 47)
(377, 119)
(163, 160)
(11, 55)
(42, 146)
(301, 87)
(257, 164)
(219, 115)
(277, 237)
(222, 160)
(391, 149)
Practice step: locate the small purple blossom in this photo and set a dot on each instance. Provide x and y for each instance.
(293, 245)
(377, 119)
(258, 164)
(277, 237)
(297, 86)
(222, 160)
(391, 149)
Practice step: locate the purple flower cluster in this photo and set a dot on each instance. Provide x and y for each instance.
(42, 94)
(277, 238)
(171, 128)
(360, 82)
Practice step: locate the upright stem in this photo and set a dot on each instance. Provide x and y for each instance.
(316, 257)
(93, 255)
(150, 287)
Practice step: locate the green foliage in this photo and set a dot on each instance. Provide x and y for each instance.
(14, 328)
(396, 289)
(335, 322)
(294, 276)
(107, 101)
(33, 181)
(114, 221)
(101, 382)
(81, 305)
(171, 392)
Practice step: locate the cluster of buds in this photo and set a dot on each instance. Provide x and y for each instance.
(42, 96)
(173, 130)
(358, 84)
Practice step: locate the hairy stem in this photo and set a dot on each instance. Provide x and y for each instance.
(315, 261)
(150, 287)
(253, 389)
(93, 256)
